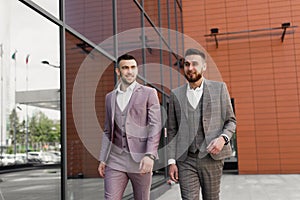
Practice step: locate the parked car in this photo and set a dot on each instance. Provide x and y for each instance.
(34, 157)
(44, 157)
(56, 156)
(21, 158)
(7, 159)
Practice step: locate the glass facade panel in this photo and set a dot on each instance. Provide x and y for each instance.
(164, 11)
(89, 76)
(128, 15)
(51, 6)
(30, 104)
(172, 15)
(129, 30)
(151, 9)
(151, 71)
(92, 19)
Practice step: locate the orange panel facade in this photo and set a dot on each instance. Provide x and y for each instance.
(262, 75)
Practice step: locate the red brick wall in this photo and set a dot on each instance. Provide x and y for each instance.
(262, 75)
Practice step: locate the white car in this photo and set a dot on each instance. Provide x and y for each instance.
(44, 157)
(56, 156)
(7, 159)
(21, 158)
(34, 157)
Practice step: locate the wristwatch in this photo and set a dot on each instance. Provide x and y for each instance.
(226, 139)
(150, 156)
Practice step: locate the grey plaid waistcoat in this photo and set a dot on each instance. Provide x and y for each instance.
(196, 129)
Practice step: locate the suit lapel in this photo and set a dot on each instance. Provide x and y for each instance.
(183, 101)
(206, 112)
(113, 106)
(134, 92)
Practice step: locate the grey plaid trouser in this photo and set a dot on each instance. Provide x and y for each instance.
(204, 173)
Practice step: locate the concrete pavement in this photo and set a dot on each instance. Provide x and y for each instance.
(251, 187)
(45, 184)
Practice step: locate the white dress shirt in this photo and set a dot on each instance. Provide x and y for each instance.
(123, 97)
(194, 95)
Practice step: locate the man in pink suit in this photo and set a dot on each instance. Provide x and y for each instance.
(131, 134)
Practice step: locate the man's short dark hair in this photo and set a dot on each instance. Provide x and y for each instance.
(125, 57)
(194, 52)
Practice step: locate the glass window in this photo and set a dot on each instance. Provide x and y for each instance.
(129, 21)
(89, 77)
(30, 104)
(164, 13)
(128, 15)
(151, 9)
(51, 6)
(93, 19)
(172, 19)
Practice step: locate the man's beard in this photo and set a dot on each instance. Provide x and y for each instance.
(193, 79)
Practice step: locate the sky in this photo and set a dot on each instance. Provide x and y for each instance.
(27, 32)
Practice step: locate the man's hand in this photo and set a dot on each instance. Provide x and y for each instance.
(146, 165)
(173, 172)
(216, 145)
(101, 169)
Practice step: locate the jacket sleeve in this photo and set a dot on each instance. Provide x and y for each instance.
(172, 127)
(154, 123)
(106, 135)
(228, 114)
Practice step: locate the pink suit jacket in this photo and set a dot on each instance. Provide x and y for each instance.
(143, 123)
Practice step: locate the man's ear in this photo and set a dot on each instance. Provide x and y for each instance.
(204, 66)
(117, 70)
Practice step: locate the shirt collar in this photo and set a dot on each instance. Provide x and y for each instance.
(130, 87)
(197, 89)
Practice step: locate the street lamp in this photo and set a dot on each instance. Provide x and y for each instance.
(47, 63)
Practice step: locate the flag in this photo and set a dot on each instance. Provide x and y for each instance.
(27, 59)
(1, 50)
(14, 55)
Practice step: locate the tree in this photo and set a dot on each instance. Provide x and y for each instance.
(43, 131)
(16, 130)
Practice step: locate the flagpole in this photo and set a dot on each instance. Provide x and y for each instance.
(2, 103)
(27, 61)
(15, 114)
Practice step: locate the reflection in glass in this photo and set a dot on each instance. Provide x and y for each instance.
(51, 6)
(30, 108)
(93, 19)
(90, 78)
(151, 9)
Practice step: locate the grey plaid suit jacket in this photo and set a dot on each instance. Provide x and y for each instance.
(218, 118)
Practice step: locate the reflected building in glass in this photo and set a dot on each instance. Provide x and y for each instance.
(98, 34)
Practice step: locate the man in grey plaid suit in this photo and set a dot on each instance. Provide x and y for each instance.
(200, 124)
